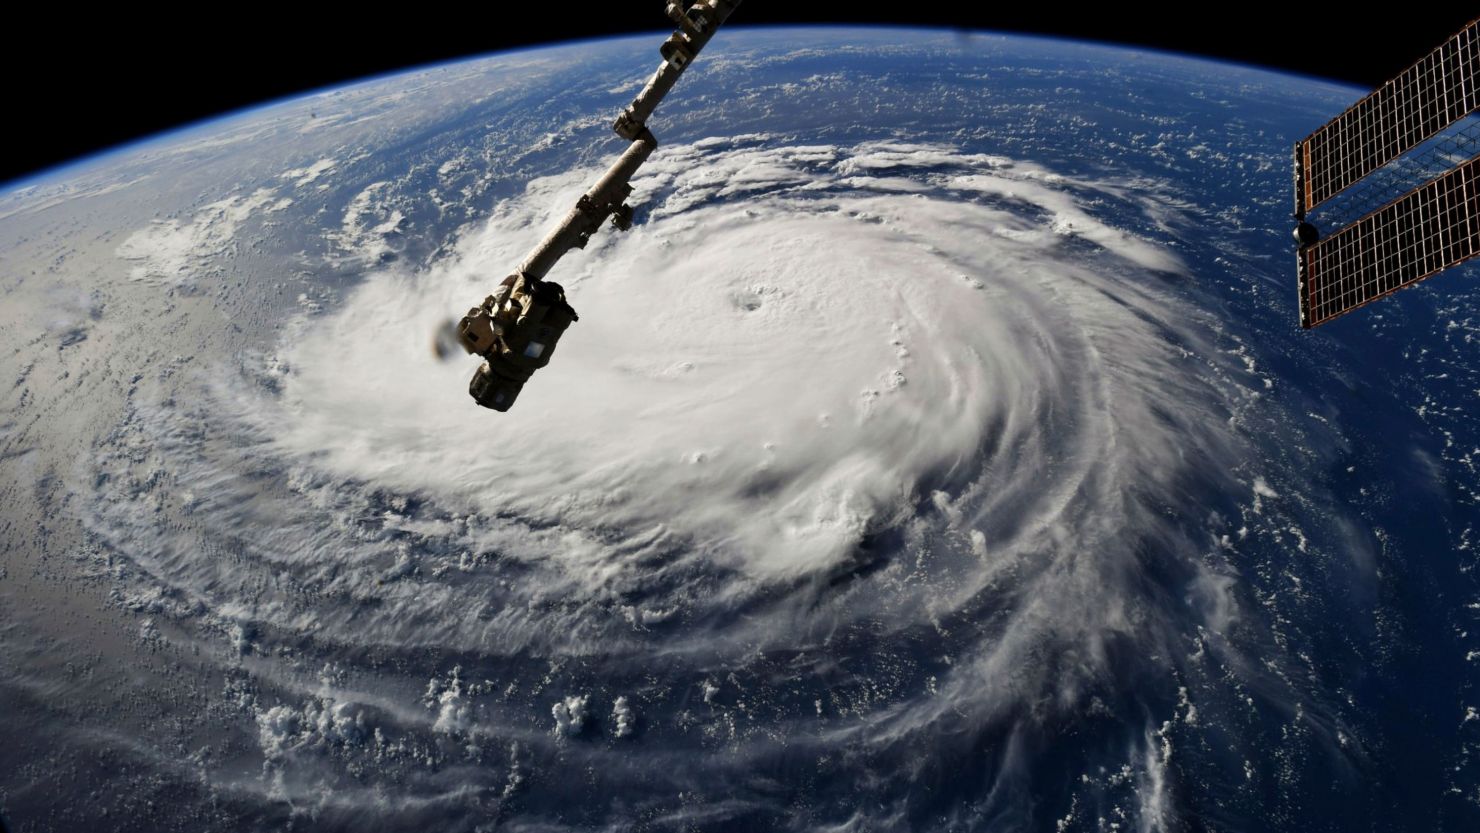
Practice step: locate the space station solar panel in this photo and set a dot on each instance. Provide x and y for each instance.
(1441, 88)
(1428, 230)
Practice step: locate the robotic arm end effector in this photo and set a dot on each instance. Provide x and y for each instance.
(516, 331)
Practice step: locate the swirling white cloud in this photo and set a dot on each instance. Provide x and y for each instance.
(797, 347)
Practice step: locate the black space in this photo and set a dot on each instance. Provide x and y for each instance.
(82, 81)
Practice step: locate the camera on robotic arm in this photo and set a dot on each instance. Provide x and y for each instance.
(515, 330)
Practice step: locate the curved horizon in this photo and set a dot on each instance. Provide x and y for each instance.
(35, 178)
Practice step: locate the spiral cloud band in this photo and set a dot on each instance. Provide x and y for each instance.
(874, 448)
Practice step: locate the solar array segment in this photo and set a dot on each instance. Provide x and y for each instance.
(1428, 230)
(1441, 88)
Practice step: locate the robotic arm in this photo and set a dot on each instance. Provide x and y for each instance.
(516, 328)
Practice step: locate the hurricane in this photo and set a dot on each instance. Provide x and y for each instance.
(857, 452)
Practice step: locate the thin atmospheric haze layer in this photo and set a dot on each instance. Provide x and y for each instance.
(935, 453)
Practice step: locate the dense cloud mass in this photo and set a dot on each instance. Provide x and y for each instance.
(798, 351)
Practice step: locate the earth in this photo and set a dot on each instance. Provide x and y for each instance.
(938, 451)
